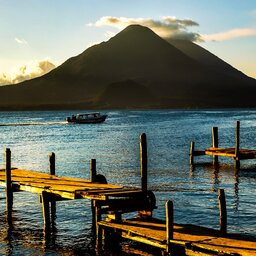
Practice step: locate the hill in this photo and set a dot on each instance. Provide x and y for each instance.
(172, 74)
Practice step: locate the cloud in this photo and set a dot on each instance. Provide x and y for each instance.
(231, 34)
(168, 27)
(26, 72)
(21, 41)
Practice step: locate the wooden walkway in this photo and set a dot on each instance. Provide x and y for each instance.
(235, 153)
(64, 187)
(192, 239)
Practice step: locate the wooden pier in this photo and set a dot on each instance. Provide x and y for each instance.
(178, 239)
(215, 151)
(111, 201)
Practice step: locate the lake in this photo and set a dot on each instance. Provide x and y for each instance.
(31, 136)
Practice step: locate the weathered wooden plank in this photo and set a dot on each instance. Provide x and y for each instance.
(106, 190)
(185, 235)
(64, 194)
(125, 193)
(158, 234)
(143, 240)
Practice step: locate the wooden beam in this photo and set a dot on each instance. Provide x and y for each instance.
(8, 181)
(93, 171)
(46, 210)
(191, 152)
(223, 211)
(52, 163)
(169, 224)
(52, 172)
(143, 162)
(237, 149)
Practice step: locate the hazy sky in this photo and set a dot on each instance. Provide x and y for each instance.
(51, 31)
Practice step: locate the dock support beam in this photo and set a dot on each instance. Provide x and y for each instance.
(52, 172)
(215, 143)
(143, 162)
(9, 192)
(191, 152)
(46, 211)
(169, 224)
(223, 211)
(93, 171)
(237, 144)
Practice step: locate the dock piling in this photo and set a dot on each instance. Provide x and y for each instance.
(93, 171)
(9, 192)
(191, 152)
(223, 211)
(215, 142)
(46, 210)
(143, 162)
(237, 144)
(52, 172)
(169, 224)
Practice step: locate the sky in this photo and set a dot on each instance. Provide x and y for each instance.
(38, 35)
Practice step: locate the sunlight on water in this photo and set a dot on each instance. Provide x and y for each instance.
(31, 136)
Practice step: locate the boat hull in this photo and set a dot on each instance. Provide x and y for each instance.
(97, 120)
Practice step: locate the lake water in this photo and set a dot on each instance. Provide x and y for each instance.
(115, 145)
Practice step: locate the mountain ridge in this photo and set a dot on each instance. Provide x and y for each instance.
(175, 73)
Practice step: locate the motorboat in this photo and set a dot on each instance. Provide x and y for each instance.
(87, 118)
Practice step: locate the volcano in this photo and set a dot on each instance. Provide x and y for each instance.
(153, 72)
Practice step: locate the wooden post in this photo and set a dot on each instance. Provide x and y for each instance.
(9, 192)
(143, 162)
(97, 217)
(93, 171)
(169, 224)
(52, 163)
(215, 142)
(237, 144)
(52, 172)
(223, 211)
(46, 210)
(191, 152)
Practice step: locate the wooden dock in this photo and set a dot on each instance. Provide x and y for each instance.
(111, 201)
(236, 153)
(185, 239)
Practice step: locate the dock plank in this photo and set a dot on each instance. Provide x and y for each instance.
(66, 187)
(197, 237)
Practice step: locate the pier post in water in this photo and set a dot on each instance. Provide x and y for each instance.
(223, 211)
(93, 171)
(215, 142)
(46, 210)
(9, 192)
(143, 162)
(52, 172)
(169, 224)
(191, 152)
(237, 144)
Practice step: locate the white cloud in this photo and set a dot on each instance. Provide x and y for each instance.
(168, 27)
(231, 34)
(28, 71)
(21, 41)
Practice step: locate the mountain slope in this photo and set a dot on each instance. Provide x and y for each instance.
(166, 71)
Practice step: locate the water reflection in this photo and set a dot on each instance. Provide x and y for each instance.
(236, 189)
(219, 172)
